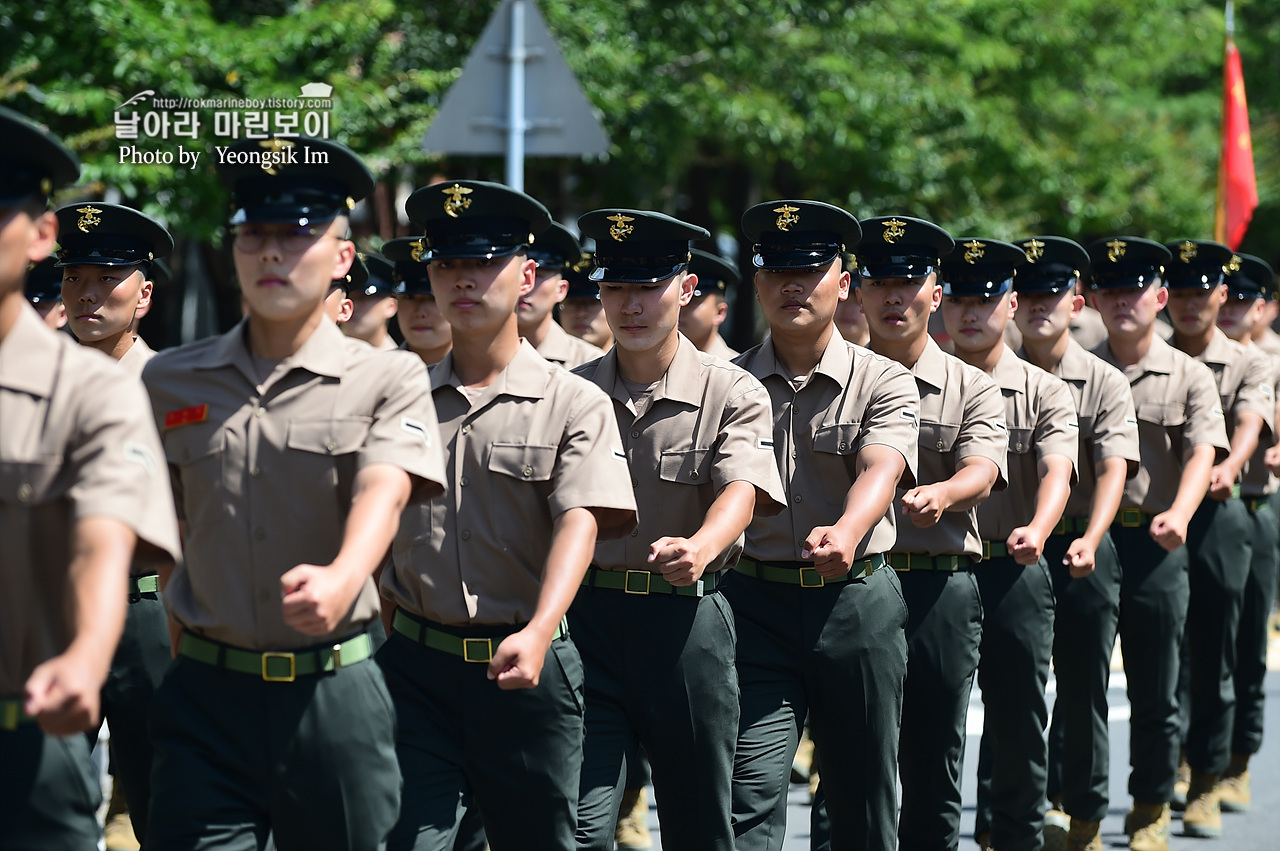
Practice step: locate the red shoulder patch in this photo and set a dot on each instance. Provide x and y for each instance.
(186, 416)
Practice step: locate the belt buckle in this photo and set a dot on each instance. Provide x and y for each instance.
(10, 720)
(626, 582)
(804, 571)
(986, 551)
(483, 645)
(1130, 518)
(293, 667)
(1061, 528)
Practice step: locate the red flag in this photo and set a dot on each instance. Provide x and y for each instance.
(1237, 183)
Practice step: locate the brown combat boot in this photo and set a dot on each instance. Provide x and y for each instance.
(1148, 827)
(1084, 836)
(1234, 795)
(1203, 816)
(1181, 784)
(632, 831)
(118, 834)
(1057, 825)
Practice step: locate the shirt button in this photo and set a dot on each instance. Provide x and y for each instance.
(255, 471)
(466, 534)
(798, 499)
(528, 471)
(259, 534)
(464, 481)
(466, 429)
(939, 444)
(635, 432)
(1018, 448)
(843, 446)
(258, 412)
(635, 532)
(694, 474)
(331, 446)
(635, 483)
(24, 492)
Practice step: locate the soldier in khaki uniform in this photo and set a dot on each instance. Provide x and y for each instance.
(1249, 282)
(1080, 553)
(1013, 578)
(423, 326)
(1180, 436)
(107, 255)
(819, 618)
(851, 322)
(373, 302)
(580, 312)
(292, 450)
(555, 251)
(82, 490)
(487, 683)
(702, 317)
(1219, 540)
(963, 445)
(657, 638)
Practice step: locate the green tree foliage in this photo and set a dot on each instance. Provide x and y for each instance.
(1000, 117)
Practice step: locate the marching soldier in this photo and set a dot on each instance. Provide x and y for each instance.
(373, 302)
(106, 256)
(580, 312)
(44, 292)
(1180, 437)
(423, 326)
(487, 683)
(293, 449)
(963, 446)
(1250, 282)
(1013, 578)
(555, 251)
(1079, 552)
(701, 318)
(1218, 541)
(851, 322)
(819, 619)
(656, 636)
(82, 492)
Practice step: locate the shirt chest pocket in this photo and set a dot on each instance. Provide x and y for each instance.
(685, 466)
(325, 453)
(939, 437)
(29, 483)
(523, 461)
(836, 439)
(1167, 417)
(188, 446)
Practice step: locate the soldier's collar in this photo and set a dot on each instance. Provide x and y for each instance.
(526, 376)
(836, 361)
(323, 353)
(931, 366)
(1010, 373)
(1220, 349)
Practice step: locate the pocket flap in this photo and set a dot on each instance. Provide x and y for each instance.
(838, 439)
(939, 437)
(523, 461)
(188, 444)
(686, 466)
(338, 436)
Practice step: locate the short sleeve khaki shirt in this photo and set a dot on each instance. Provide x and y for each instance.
(263, 473)
(1041, 420)
(1243, 376)
(76, 441)
(535, 443)
(559, 346)
(1108, 423)
(1256, 480)
(1177, 407)
(709, 424)
(854, 398)
(961, 416)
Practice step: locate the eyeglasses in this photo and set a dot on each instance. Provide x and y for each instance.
(292, 239)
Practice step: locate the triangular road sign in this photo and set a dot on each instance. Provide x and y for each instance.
(559, 120)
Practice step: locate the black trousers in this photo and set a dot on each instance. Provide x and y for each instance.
(659, 672)
(1251, 640)
(49, 792)
(836, 654)
(1084, 636)
(1220, 548)
(1153, 614)
(311, 762)
(943, 633)
(1013, 669)
(516, 755)
(137, 669)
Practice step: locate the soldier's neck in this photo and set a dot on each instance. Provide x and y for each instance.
(800, 353)
(983, 359)
(114, 346)
(649, 366)
(1047, 354)
(905, 352)
(1194, 344)
(275, 340)
(480, 357)
(537, 333)
(1128, 350)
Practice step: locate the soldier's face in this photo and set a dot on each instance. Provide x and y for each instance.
(1047, 316)
(898, 308)
(53, 313)
(1129, 312)
(1239, 316)
(976, 324)
(24, 239)
(644, 316)
(700, 318)
(584, 318)
(480, 294)
(422, 324)
(852, 322)
(102, 301)
(549, 289)
(801, 301)
(284, 277)
(1193, 312)
(369, 316)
